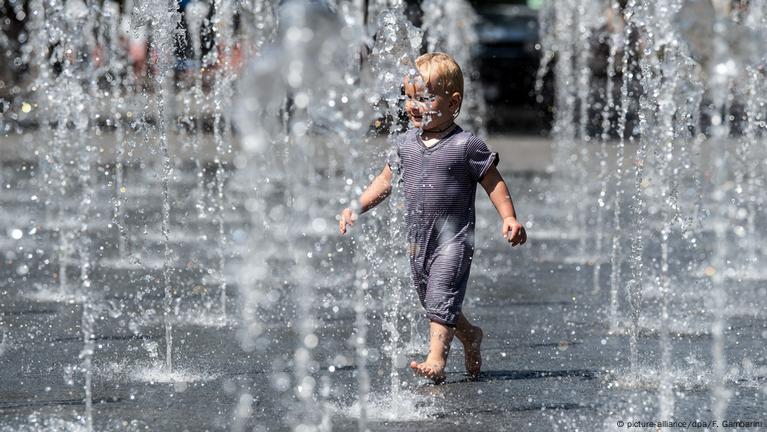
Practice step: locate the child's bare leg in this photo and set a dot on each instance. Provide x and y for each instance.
(471, 338)
(440, 337)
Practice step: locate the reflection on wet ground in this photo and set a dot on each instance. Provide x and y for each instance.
(551, 361)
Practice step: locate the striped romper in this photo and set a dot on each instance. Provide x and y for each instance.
(440, 184)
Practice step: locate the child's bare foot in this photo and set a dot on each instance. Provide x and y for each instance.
(472, 343)
(431, 369)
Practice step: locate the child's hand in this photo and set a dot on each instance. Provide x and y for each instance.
(347, 218)
(513, 231)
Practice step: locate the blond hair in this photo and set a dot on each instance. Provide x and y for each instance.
(440, 72)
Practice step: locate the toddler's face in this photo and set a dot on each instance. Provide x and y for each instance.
(428, 108)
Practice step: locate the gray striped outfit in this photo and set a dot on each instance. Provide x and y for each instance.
(440, 184)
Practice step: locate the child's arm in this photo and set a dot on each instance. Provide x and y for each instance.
(496, 189)
(377, 191)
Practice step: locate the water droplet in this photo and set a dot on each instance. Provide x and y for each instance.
(16, 234)
(281, 381)
(319, 225)
(311, 341)
(301, 100)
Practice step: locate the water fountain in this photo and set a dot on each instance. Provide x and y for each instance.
(278, 123)
(683, 38)
(171, 259)
(196, 14)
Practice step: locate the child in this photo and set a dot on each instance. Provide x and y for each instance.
(440, 165)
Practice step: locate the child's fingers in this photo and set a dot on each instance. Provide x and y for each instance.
(347, 218)
(513, 234)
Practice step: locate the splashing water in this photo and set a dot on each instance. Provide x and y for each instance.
(174, 236)
(677, 195)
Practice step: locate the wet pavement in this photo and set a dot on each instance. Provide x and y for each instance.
(550, 359)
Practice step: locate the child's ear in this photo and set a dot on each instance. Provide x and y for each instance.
(455, 103)
(455, 100)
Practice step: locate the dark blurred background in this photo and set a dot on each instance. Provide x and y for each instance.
(508, 58)
(507, 61)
